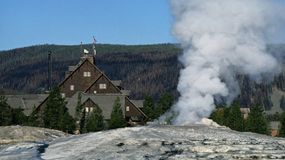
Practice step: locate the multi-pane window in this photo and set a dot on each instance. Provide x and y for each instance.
(86, 109)
(102, 86)
(72, 87)
(86, 74)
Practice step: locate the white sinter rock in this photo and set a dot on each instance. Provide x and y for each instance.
(200, 141)
(168, 142)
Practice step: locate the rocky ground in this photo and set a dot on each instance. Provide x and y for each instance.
(168, 142)
(23, 142)
(16, 134)
(157, 142)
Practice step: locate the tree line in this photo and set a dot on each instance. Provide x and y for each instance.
(154, 109)
(140, 67)
(256, 121)
(12, 116)
(145, 69)
(55, 115)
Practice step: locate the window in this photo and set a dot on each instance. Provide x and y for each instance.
(102, 86)
(86, 109)
(128, 108)
(72, 87)
(62, 95)
(91, 109)
(95, 92)
(86, 74)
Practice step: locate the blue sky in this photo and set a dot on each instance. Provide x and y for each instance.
(32, 22)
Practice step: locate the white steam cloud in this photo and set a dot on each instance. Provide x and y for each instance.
(220, 38)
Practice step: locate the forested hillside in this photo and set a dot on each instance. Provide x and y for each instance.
(144, 69)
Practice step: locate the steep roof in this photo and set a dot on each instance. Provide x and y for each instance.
(138, 109)
(77, 67)
(26, 101)
(104, 101)
(116, 82)
(103, 75)
(138, 103)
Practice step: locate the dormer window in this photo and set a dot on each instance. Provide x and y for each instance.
(86, 74)
(102, 86)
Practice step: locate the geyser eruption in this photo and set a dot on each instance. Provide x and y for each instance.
(220, 38)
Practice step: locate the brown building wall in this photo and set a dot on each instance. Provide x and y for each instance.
(133, 111)
(90, 105)
(78, 80)
(110, 88)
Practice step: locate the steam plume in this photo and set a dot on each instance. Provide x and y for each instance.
(220, 38)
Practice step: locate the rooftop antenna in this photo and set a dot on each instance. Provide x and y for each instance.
(49, 70)
(94, 49)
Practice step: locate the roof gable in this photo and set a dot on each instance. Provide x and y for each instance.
(74, 71)
(103, 79)
(104, 102)
(136, 108)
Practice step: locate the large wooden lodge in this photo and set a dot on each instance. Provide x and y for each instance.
(96, 89)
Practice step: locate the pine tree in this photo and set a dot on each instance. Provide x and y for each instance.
(79, 109)
(56, 114)
(18, 117)
(5, 112)
(79, 115)
(282, 103)
(256, 121)
(227, 116)
(282, 125)
(33, 119)
(117, 118)
(164, 104)
(95, 121)
(148, 107)
(67, 123)
(218, 115)
(236, 121)
(54, 109)
(83, 122)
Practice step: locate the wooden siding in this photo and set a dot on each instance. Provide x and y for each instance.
(91, 84)
(133, 110)
(77, 79)
(110, 87)
(89, 104)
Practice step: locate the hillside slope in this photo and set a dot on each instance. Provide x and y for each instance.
(144, 69)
